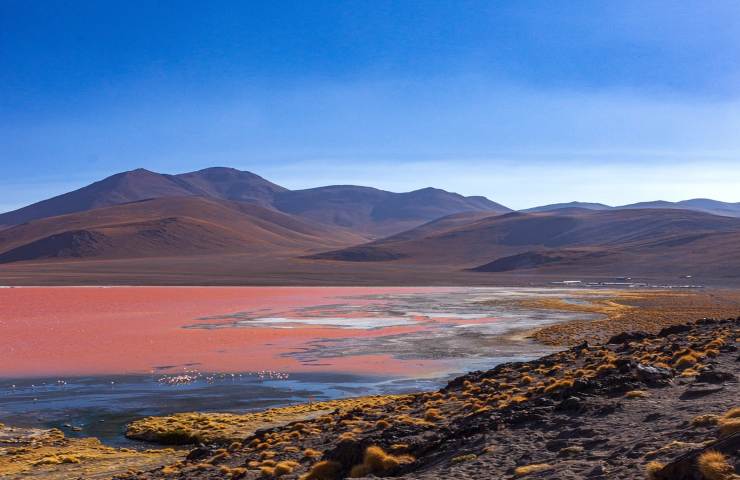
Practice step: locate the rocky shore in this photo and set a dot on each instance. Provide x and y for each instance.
(658, 406)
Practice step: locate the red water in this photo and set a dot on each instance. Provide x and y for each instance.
(81, 331)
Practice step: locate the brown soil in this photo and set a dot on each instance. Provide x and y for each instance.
(628, 311)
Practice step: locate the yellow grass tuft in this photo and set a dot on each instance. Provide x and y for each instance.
(686, 361)
(376, 461)
(529, 469)
(636, 394)
(713, 466)
(652, 468)
(705, 420)
(326, 470)
(285, 467)
(559, 385)
(464, 458)
(732, 413)
(311, 453)
(728, 426)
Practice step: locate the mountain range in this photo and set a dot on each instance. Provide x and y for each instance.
(222, 225)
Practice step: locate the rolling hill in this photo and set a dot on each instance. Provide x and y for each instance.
(705, 205)
(378, 212)
(639, 240)
(363, 209)
(167, 227)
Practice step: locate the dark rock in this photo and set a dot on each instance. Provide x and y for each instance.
(715, 376)
(627, 337)
(556, 445)
(652, 417)
(624, 365)
(199, 453)
(653, 376)
(597, 471)
(700, 389)
(673, 329)
(572, 404)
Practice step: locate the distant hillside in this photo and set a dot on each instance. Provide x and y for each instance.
(698, 204)
(167, 227)
(607, 240)
(141, 184)
(705, 205)
(378, 212)
(561, 206)
(363, 209)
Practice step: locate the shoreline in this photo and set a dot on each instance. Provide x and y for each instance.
(525, 405)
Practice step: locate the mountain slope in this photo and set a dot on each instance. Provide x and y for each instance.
(363, 209)
(378, 212)
(167, 227)
(560, 206)
(697, 204)
(571, 238)
(232, 184)
(123, 187)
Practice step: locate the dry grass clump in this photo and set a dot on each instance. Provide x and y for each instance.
(278, 469)
(729, 423)
(326, 470)
(705, 420)
(311, 453)
(529, 469)
(464, 458)
(377, 461)
(560, 384)
(652, 468)
(432, 414)
(57, 459)
(230, 472)
(636, 394)
(713, 466)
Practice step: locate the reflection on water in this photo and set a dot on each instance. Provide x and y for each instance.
(102, 406)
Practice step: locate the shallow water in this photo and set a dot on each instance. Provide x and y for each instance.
(96, 358)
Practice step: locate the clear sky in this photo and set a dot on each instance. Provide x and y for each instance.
(526, 102)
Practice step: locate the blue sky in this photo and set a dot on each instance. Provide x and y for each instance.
(526, 102)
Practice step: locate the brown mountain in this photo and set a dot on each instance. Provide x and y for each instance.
(168, 227)
(378, 212)
(641, 240)
(705, 205)
(363, 209)
(141, 184)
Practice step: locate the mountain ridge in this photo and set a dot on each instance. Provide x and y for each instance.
(368, 210)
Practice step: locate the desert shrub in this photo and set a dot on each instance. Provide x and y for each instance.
(705, 420)
(713, 466)
(686, 361)
(652, 468)
(559, 385)
(326, 470)
(267, 471)
(311, 453)
(464, 458)
(382, 424)
(728, 426)
(732, 413)
(636, 394)
(376, 461)
(529, 469)
(284, 468)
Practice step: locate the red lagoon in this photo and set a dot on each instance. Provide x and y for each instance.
(47, 331)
